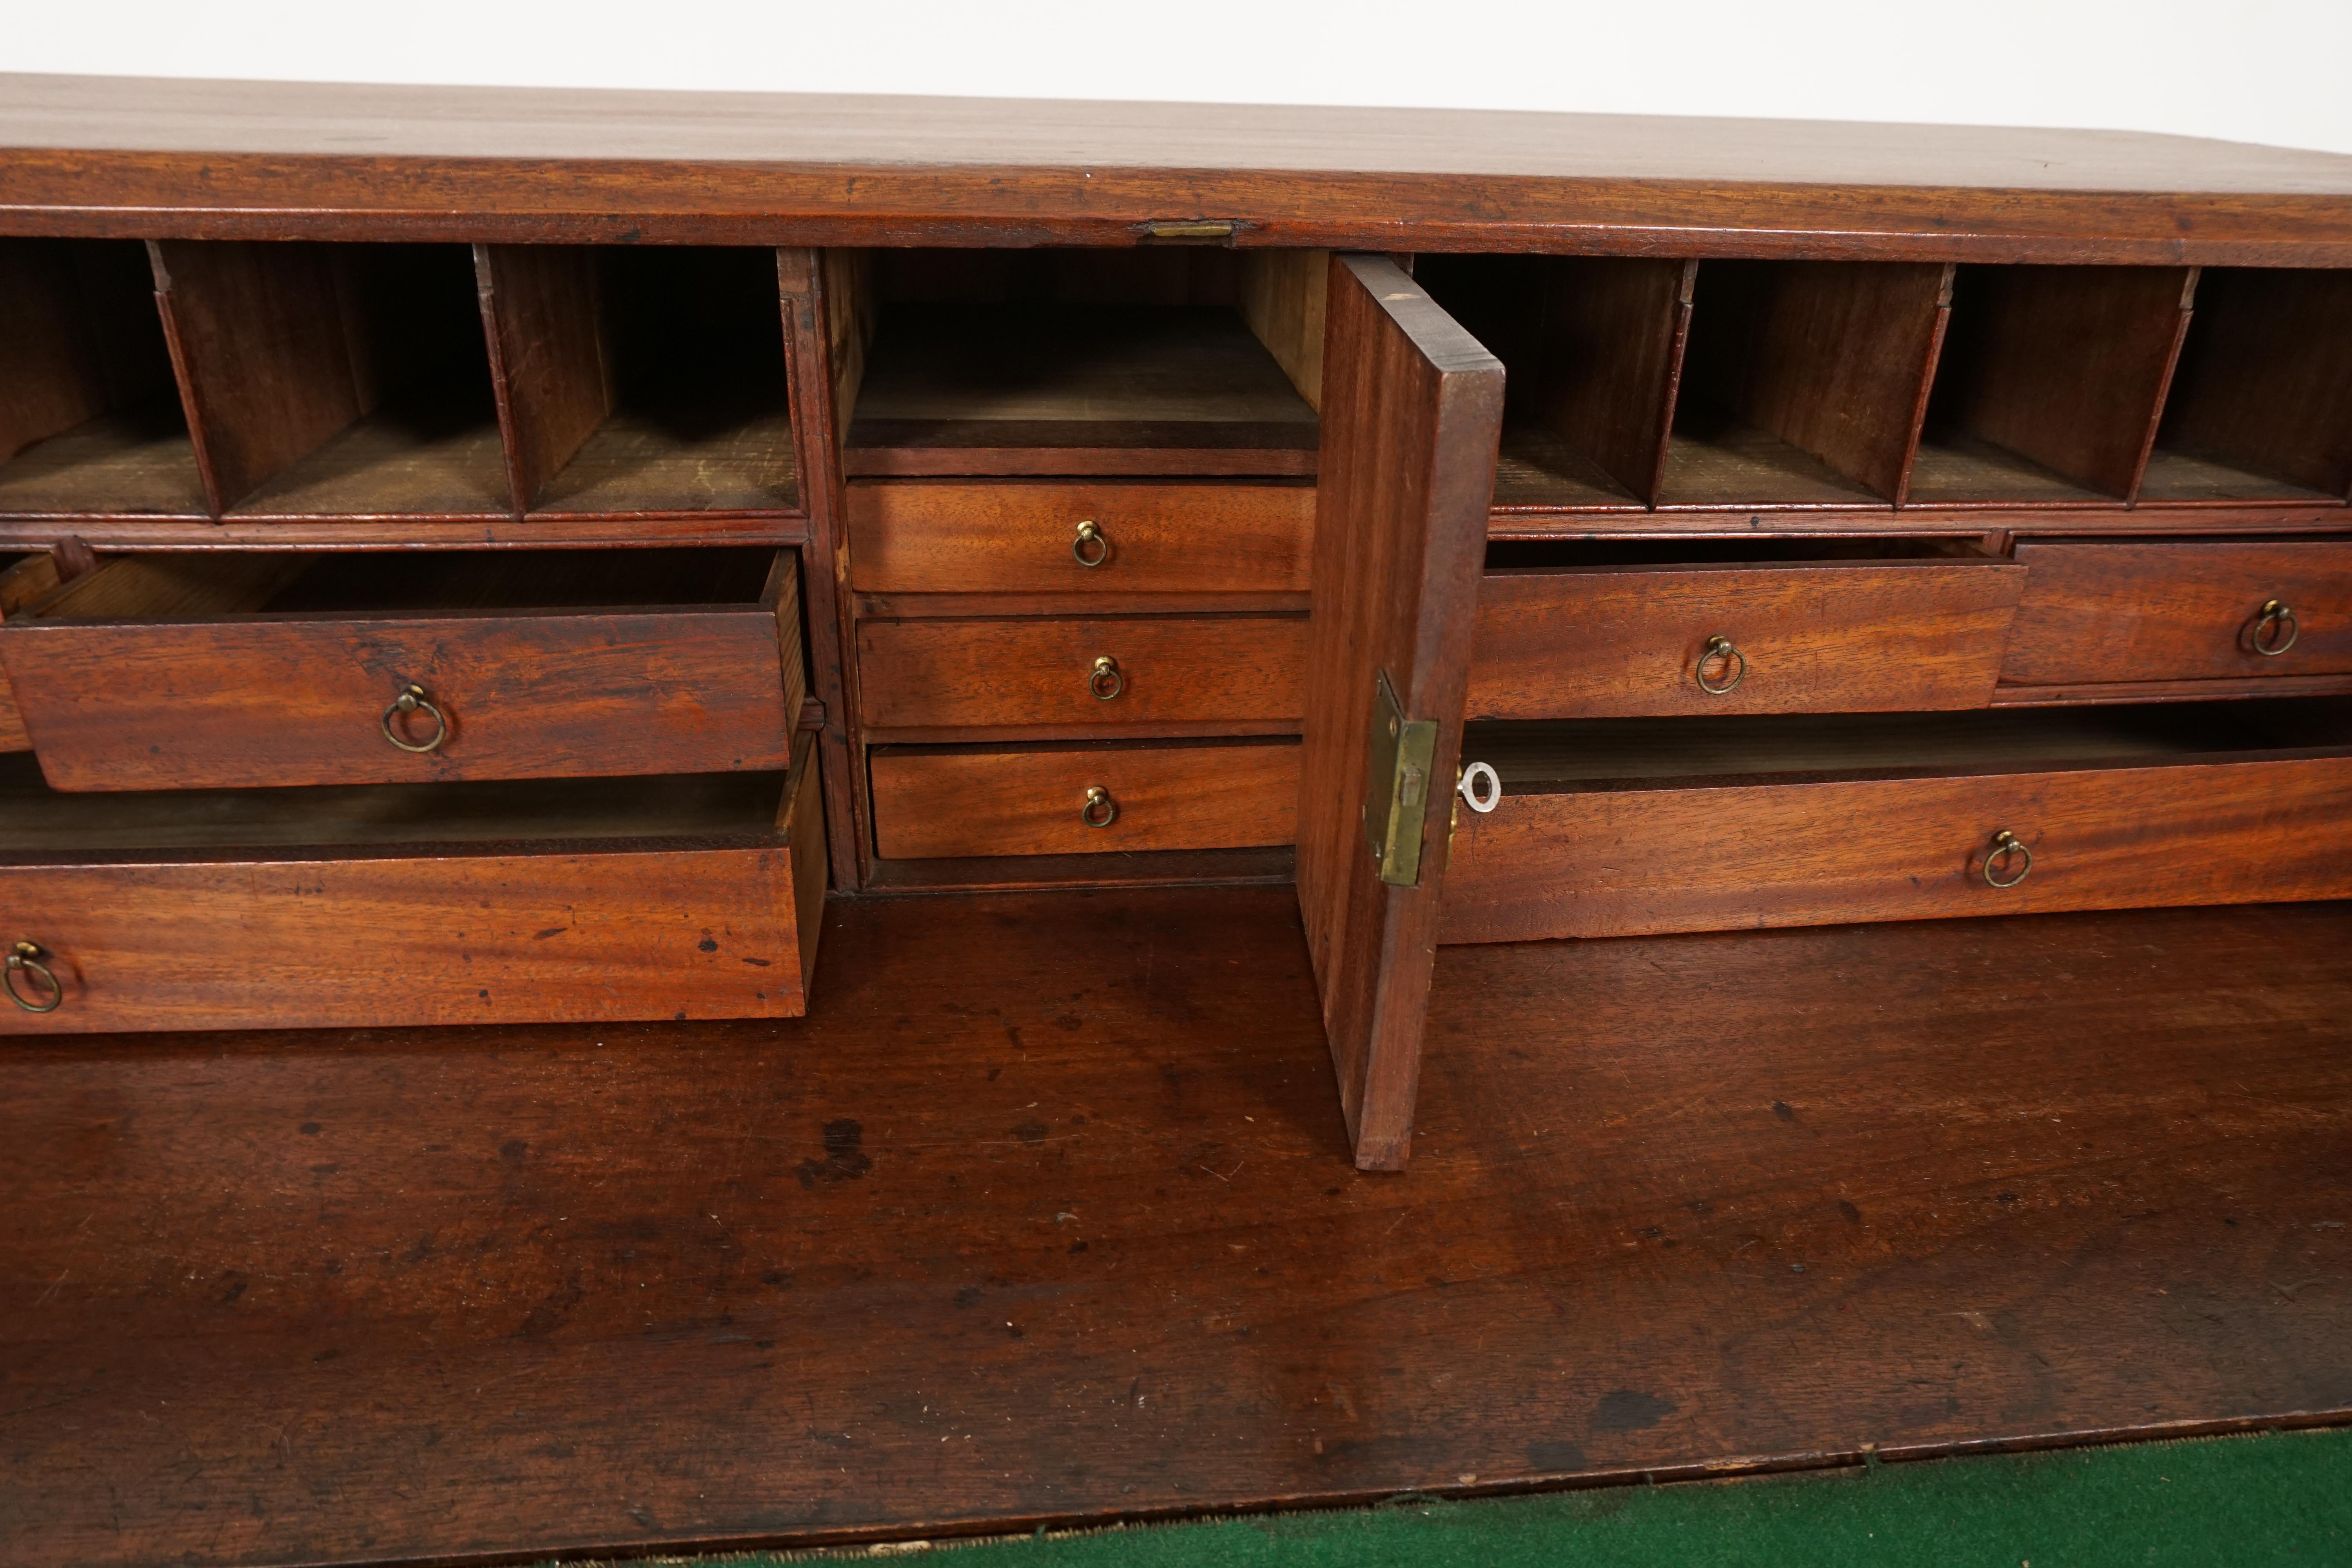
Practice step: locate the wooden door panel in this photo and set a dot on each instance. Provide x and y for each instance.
(1411, 419)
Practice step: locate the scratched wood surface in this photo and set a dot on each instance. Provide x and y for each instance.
(992, 1236)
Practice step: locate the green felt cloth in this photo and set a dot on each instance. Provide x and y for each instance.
(2281, 1498)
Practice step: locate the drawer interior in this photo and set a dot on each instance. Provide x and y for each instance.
(1174, 361)
(1655, 753)
(42, 824)
(227, 582)
(92, 420)
(1581, 555)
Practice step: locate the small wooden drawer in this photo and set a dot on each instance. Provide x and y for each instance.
(1224, 674)
(1629, 636)
(2109, 612)
(1016, 538)
(1647, 826)
(230, 670)
(406, 904)
(1080, 799)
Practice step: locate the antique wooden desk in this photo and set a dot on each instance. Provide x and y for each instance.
(485, 556)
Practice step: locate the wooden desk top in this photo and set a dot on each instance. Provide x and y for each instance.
(218, 159)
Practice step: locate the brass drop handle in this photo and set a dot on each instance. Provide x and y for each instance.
(1092, 545)
(1719, 650)
(2007, 846)
(1100, 810)
(2264, 637)
(412, 700)
(24, 958)
(1107, 681)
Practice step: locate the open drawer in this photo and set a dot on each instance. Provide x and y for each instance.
(1738, 626)
(233, 670)
(1641, 827)
(591, 899)
(23, 580)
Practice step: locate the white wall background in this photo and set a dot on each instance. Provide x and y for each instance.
(2253, 71)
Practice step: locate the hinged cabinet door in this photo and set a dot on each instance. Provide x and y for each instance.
(1413, 410)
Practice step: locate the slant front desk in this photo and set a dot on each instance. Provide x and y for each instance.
(485, 556)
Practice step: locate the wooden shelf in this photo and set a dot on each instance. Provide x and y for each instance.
(431, 451)
(1714, 460)
(1953, 468)
(136, 461)
(729, 455)
(1075, 390)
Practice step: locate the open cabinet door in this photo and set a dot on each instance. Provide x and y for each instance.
(1413, 410)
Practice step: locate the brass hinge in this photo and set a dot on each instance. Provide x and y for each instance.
(1396, 793)
(1189, 231)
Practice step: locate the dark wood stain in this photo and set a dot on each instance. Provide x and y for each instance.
(587, 1262)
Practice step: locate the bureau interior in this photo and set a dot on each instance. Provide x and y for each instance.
(1577, 756)
(1171, 360)
(1642, 382)
(92, 421)
(644, 379)
(335, 379)
(189, 586)
(39, 823)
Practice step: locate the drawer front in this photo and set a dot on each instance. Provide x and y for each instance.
(13, 737)
(2097, 614)
(1826, 639)
(1051, 674)
(24, 581)
(464, 940)
(1023, 538)
(948, 804)
(1639, 862)
(122, 705)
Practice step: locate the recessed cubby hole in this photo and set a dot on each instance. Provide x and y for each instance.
(1804, 383)
(1590, 347)
(1170, 360)
(643, 380)
(2260, 405)
(90, 420)
(2050, 383)
(335, 380)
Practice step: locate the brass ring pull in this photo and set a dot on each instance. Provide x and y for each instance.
(1105, 682)
(414, 700)
(2008, 846)
(1100, 810)
(1090, 538)
(26, 956)
(2262, 635)
(1735, 665)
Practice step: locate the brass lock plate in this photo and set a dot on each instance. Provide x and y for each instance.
(1396, 792)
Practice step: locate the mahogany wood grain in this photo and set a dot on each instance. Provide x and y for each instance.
(820, 295)
(1413, 409)
(1827, 636)
(2262, 384)
(2064, 366)
(417, 1258)
(1282, 295)
(1040, 674)
(79, 337)
(244, 160)
(2177, 611)
(1834, 358)
(548, 357)
(147, 675)
(265, 367)
(1169, 795)
(948, 537)
(2119, 831)
(370, 935)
